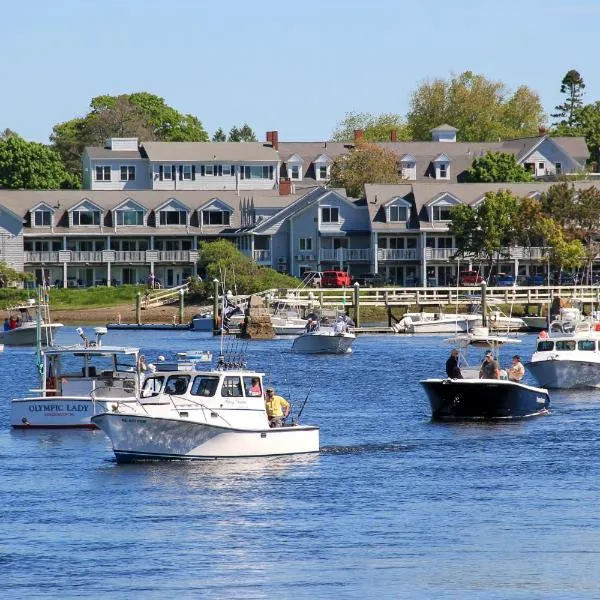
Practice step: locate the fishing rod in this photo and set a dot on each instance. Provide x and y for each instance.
(304, 404)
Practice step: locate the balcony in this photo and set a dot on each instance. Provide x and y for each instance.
(41, 257)
(86, 257)
(173, 256)
(439, 253)
(398, 254)
(261, 257)
(130, 256)
(345, 254)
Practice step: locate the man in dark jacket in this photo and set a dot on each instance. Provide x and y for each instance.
(452, 368)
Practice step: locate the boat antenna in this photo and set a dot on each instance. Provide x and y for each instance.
(304, 403)
(38, 341)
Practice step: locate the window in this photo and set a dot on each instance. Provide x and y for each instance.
(398, 214)
(565, 345)
(558, 168)
(252, 386)
(545, 346)
(330, 214)
(257, 172)
(86, 217)
(152, 386)
(209, 169)
(42, 218)
(442, 213)
(305, 244)
(204, 386)
(187, 172)
(215, 217)
(127, 173)
(541, 166)
(166, 172)
(295, 172)
(177, 384)
(102, 173)
(323, 172)
(232, 387)
(443, 171)
(587, 345)
(173, 217)
(130, 217)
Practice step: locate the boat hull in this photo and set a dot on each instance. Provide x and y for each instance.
(483, 399)
(315, 343)
(536, 323)
(565, 374)
(54, 412)
(137, 437)
(439, 326)
(27, 335)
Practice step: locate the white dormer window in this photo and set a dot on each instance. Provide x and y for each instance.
(42, 218)
(442, 212)
(443, 172)
(86, 217)
(442, 167)
(330, 214)
(130, 217)
(215, 217)
(173, 217)
(295, 171)
(398, 214)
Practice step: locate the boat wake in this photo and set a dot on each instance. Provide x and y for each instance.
(365, 448)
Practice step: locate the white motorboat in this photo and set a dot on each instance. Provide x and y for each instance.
(568, 355)
(186, 413)
(320, 339)
(536, 323)
(423, 322)
(472, 398)
(76, 381)
(21, 324)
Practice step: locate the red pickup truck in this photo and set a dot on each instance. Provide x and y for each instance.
(336, 279)
(470, 278)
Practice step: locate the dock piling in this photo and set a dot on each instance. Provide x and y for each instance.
(215, 305)
(181, 306)
(357, 304)
(138, 308)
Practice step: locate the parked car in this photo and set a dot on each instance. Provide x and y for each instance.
(370, 280)
(313, 278)
(336, 279)
(470, 278)
(535, 280)
(504, 280)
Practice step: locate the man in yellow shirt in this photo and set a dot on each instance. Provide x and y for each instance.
(277, 407)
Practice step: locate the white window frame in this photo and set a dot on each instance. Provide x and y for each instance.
(225, 217)
(167, 172)
(305, 244)
(320, 174)
(94, 218)
(121, 213)
(41, 212)
(398, 207)
(443, 171)
(330, 209)
(187, 172)
(227, 169)
(128, 171)
(165, 224)
(437, 209)
(209, 170)
(296, 169)
(104, 171)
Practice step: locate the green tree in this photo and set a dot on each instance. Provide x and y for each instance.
(481, 109)
(7, 133)
(223, 261)
(572, 85)
(587, 124)
(499, 167)
(32, 166)
(140, 115)
(367, 163)
(242, 134)
(219, 136)
(558, 202)
(376, 128)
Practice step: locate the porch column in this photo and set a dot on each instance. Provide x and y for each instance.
(65, 280)
(374, 248)
(152, 243)
(108, 242)
(64, 243)
(108, 277)
(516, 268)
(423, 259)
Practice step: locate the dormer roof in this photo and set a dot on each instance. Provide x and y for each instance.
(443, 127)
(408, 157)
(87, 204)
(441, 158)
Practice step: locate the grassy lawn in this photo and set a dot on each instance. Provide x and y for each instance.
(61, 298)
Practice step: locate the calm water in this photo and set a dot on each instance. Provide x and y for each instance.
(393, 507)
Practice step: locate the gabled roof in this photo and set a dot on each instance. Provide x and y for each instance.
(210, 152)
(88, 202)
(130, 202)
(178, 204)
(294, 158)
(408, 157)
(441, 158)
(323, 158)
(396, 199)
(100, 153)
(43, 206)
(443, 195)
(216, 204)
(443, 127)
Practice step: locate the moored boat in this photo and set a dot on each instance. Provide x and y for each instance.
(21, 325)
(322, 339)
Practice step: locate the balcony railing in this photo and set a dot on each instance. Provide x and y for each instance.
(86, 257)
(130, 256)
(41, 257)
(439, 253)
(176, 256)
(398, 254)
(345, 254)
(261, 256)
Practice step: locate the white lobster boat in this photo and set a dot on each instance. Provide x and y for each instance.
(77, 380)
(186, 413)
(25, 317)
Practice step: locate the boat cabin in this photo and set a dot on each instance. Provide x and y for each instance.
(562, 345)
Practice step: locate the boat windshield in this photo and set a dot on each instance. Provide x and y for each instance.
(587, 345)
(566, 345)
(205, 385)
(152, 386)
(545, 346)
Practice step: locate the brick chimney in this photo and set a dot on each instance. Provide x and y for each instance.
(542, 130)
(394, 135)
(270, 136)
(358, 135)
(275, 139)
(285, 186)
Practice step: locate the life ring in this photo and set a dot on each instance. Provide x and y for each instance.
(51, 386)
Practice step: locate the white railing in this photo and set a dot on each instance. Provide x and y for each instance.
(398, 254)
(41, 257)
(130, 256)
(345, 254)
(86, 256)
(261, 256)
(174, 256)
(439, 253)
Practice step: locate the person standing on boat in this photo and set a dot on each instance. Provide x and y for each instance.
(490, 369)
(517, 371)
(452, 368)
(278, 408)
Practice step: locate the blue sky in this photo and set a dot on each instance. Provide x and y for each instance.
(297, 67)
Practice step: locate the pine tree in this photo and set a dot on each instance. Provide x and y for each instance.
(219, 135)
(572, 85)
